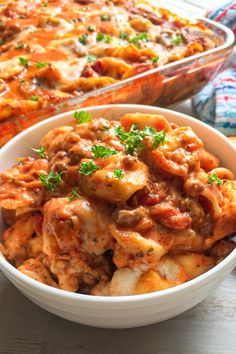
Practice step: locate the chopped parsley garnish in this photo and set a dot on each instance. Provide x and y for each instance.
(105, 17)
(24, 61)
(52, 180)
(215, 179)
(158, 137)
(40, 151)
(102, 151)
(34, 98)
(2, 41)
(132, 140)
(83, 39)
(74, 194)
(155, 59)
(104, 38)
(20, 45)
(90, 28)
(123, 35)
(119, 174)
(87, 168)
(138, 38)
(177, 40)
(82, 117)
(91, 58)
(40, 64)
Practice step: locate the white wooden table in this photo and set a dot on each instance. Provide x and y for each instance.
(209, 328)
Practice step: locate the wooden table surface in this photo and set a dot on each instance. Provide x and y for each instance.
(209, 328)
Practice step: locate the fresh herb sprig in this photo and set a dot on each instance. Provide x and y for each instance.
(140, 37)
(102, 151)
(24, 61)
(177, 40)
(51, 181)
(40, 64)
(101, 37)
(40, 151)
(215, 179)
(118, 173)
(133, 140)
(88, 168)
(82, 117)
(74, 194)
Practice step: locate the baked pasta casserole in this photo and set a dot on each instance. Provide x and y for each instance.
(55, 50)
(117, 207)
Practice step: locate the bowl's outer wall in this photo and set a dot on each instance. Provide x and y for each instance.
(122, 313)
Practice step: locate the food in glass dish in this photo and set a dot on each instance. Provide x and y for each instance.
(118, 207)
(54, 51)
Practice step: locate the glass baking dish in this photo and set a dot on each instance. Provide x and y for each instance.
(162, 86)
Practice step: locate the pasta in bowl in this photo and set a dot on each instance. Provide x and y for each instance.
(118, 200)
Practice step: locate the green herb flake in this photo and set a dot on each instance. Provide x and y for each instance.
(20, 46)
(74, 194)
(177, 40)
(83, 39)
(82, 117)
(105, 17)
(102, 151)
(88, 168)
(155, 59)
(123, 35)
(104, 38)
(40, 151)
(24, 61)
(140, 37)
(34, 98)
(119, 174)
(91, 58)
(158, 137)
(2, 41)
(90, 28)
(51, 181)
(40, 64)
(215, 179)
(132, 140)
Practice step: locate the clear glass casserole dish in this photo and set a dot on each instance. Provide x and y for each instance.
(162, 86)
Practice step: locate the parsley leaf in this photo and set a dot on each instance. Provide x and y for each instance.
(20, 45)
(51, 181)
(87, 168)
(40, 64)
(155, 59)
(119, 174)
(83, 39)
(90, 28)
(102, 151)
(105, 17)
(104, 37)
(24, 61)
(138, 38)
(123, 35)
(82, 117)
(2, 41)
(214, 179)
(74, 194)
(40, 151)
(91, 58)
(132, 140)
(177, 40)
(158, 137)
(34, 98)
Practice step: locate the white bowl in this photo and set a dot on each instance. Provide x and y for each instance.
(125, 311)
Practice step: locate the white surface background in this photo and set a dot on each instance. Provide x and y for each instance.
(209, 328)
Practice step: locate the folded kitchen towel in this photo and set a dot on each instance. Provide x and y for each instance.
(215, 104)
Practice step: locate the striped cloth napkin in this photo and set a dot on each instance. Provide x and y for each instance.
(215, 104)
